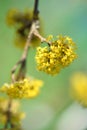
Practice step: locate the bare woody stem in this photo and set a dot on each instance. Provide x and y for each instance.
(25, 53)
(42, 39)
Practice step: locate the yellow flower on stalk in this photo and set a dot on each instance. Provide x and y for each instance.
(79, 88)
(51, 59)
(27, 88)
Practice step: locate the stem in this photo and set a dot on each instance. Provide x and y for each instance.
(22, 71)
(37, 34)
(36, 11)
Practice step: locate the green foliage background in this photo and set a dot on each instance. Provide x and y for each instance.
(67, 17)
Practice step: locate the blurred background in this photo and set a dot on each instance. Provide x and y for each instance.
(53, 109)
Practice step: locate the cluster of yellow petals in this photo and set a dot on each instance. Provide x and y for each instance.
(79, 88)
(16, 115)
(26, 88)
(51, 59)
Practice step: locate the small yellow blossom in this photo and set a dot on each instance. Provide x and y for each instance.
(14, 17)
(20, 40)
(49, 38)
(51, 59)
(79, 88)
(4, 105)
(27, 88)
(3, 119)
(16, 115)
(11, 17)
(22, 21)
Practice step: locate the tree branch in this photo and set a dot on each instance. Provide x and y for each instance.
(33, 32)
(22, 61)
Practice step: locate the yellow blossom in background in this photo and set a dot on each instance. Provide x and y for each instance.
(20, 40)
(16, 115)
(22, 21)
(27, 88)
(16, 118)
(79, 88)
(4, 105)
(3, 119)
(11, 17)
(51, 59)
(15, 17)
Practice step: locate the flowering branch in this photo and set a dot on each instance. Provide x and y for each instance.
(33, 32)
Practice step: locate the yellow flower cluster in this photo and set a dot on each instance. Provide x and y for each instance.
(22, 22)
(79, 88)
(51, 59)
(16, 116)
(27, 88)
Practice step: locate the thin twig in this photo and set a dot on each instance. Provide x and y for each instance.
(22, 71)
(36, 11)
(42, 39)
